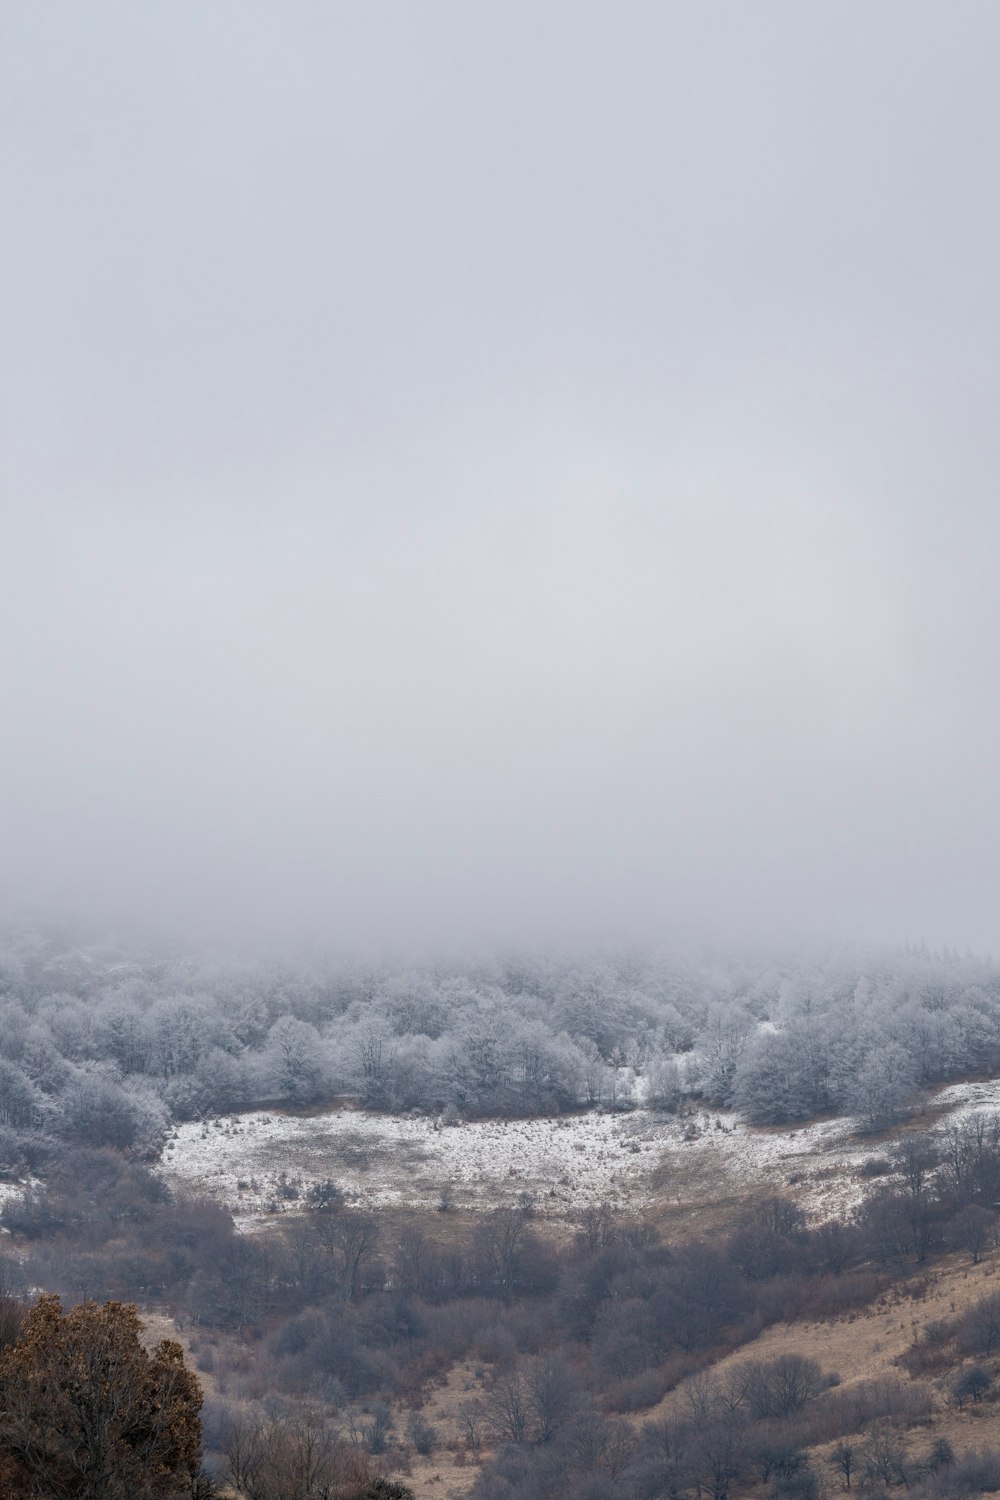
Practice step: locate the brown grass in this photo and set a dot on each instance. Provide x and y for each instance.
(862, 1346)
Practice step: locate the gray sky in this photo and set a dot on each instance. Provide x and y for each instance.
(476, 468)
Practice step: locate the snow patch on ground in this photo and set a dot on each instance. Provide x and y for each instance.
(253, 1160)
(261, 1163)
(10, 1190)
(970, 1098)
(819, 1164)
(256, 1163)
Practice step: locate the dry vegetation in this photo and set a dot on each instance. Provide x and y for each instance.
(892, 1294)
(865, 1346)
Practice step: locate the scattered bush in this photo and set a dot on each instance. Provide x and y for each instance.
(421, 1433)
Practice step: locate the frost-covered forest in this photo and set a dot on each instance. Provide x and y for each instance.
(106, 1045)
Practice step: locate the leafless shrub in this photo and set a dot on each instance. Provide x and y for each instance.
(378, 1428)
(979, 1329)
(421, 1433)
(776, 1388)
(472, 1419)
(974, 1230)
(973, 1384)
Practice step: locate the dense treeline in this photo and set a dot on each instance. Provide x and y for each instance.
(100, 1045)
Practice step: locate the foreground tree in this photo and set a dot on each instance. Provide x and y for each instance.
(87, 1413)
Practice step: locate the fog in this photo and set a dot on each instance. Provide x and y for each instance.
(493, 470)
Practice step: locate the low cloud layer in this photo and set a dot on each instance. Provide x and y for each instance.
(502, 470)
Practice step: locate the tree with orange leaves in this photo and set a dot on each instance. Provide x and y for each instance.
(87, 1413)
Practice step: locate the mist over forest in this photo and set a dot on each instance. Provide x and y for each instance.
(498, 750)
(107, 1045)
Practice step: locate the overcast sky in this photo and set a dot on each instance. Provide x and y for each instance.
(470, 468)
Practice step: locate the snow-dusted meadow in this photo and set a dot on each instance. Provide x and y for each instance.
(261, 1163)
(15, 1189)
(255, 1162)
(252, 1161)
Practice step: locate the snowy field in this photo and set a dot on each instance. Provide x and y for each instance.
(14, 1190)
(261, 1163)
(256, 1163)
(253, 1161)
(970, 1098)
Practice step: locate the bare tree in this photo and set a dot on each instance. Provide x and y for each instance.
(884, 1457)
(598, 1227)
(410, 1259)
(719, 1457)
(833, 1241)
(349, 1239)
(379, 1427)
(781, 1386)
(915, 1159)
(373, 1056)
(702, 1396)
(844, 1460)
(303, 1262)
(324, 1197)
(246, 1455)
(498, 1243)
(979, 1332)
(507, 1407)
(554, 1393)
(421, 1433)
(974, 1230)
(304, 1456)
(472, 1417)
(617, 1445)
